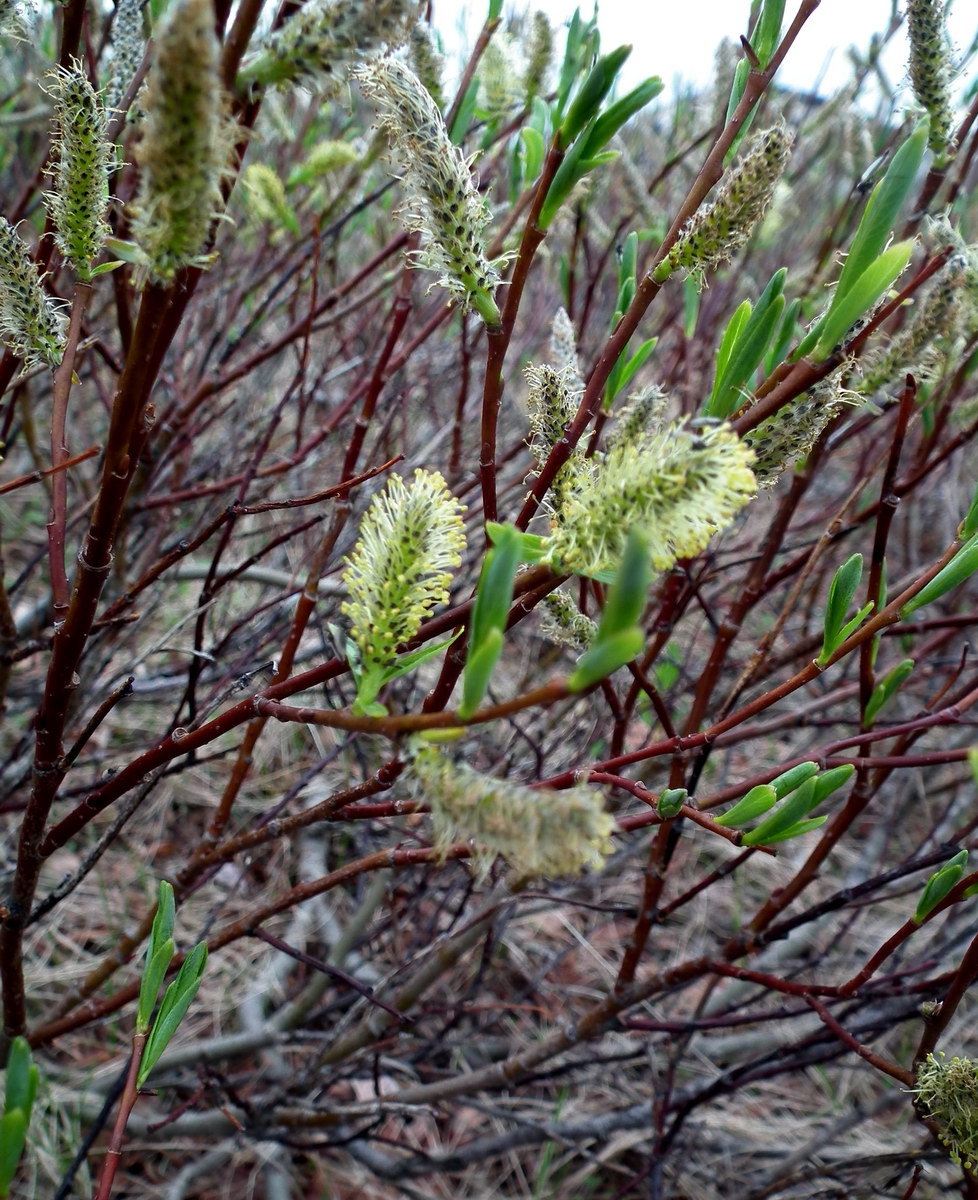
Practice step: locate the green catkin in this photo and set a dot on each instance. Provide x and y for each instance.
(936, 319)
(32, 325)
(411, 540)
(128, 47)
(563, 351)
(641, 415)
(931, 72)
(565, 624)
(551, 406)
(947, 1092)
(714, 233)
(321, 43)
(538, 831)
(426, 62)
(539, 56)
(183, 152)
(265, 197)
(788, 435)
(678, 485)
(82, 159)
(443, 204)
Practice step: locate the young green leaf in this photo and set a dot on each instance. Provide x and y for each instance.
(179, 996)
(887, 687)
(797, 806)
(154, 972)
(767, 31)
(748, 808)
(584, 107)
(13, 1137)
(616, 115)
(939, 884)
(830, 781)
(882, 210)
(605, 658)
(794, 777)
(961, 567)
(784, 835)
(731, 334)
(479, 666)
(20, 1078)
(626, 597)
(748, 350)
(841, 594)
(848, 306)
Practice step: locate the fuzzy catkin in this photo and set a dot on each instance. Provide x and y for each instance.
(551, 406)
(82, 161)
(714, 233)
(31, 323)
(788, 435)
(538, 831)
(128, 46)
(183, 152)
(931, 72)
(443, 204)
(411, 540)
(947, 1092)
(321, 43)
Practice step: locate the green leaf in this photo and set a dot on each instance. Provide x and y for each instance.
(17, 1076)
(585, 105)
(755, 804)
(794, 777)
(13, 1137)
(882, 209)
(691, 307)
(534, 149)
(617, 114)
(767, 31)
(939, 884)
(961, 567)
(466, 110)
(792, 831)
(626, 597)
(841, 594)
(733, 331)
(783, 338)
(969, 526)
(179, 996)
(888, 686)
(408, 662)
(154, 972)
(605, 658)
(848, 306)
(533, 547)
(494, 591)
(830, 781)
(747, 354)
(798, 805)
(479, 666)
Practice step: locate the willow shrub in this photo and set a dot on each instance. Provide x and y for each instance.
(490, 566)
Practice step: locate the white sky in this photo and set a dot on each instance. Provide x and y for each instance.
(677, 38)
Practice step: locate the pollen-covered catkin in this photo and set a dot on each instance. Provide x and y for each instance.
(947, 1092)
(411, 540)
(715, 232)
(443, 203)
(31, 324)
(82, 159)
(184, 150)
(538, 831)
(931, 72)
(321, 43)
(677, 485)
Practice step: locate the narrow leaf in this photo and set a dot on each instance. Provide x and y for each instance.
(756, 803)
(841, 594)
(939, 884)
(961, 567)
(179, 996)
(605, 658)
(888, 686)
